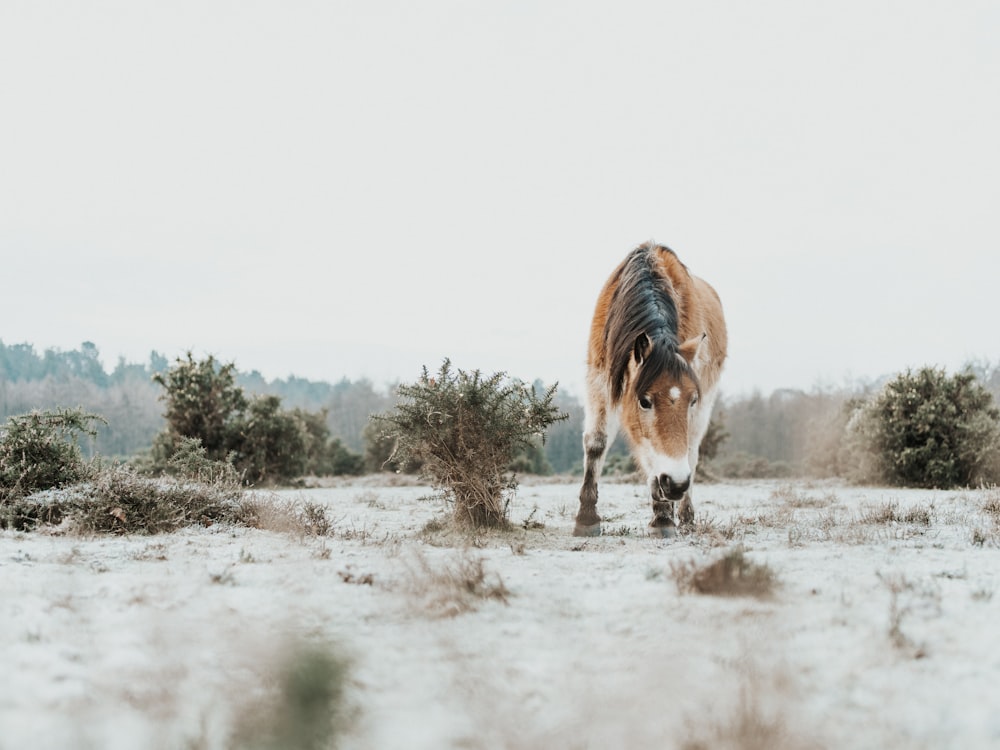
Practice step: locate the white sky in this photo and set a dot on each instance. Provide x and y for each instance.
(359, 188)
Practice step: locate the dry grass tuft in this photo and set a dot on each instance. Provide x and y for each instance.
(348, 575)
(446, 531)
(442, 531)
(621, 530)
(270, 513)
(435, 526)
(748, 729)
(756, 720)
(730, 575)
(906, 598)
(795, 498)
(889, 512)
(776, 519)
(456, 586)
(531, 523)
(716, 534)
(991, 504)
(370, 499)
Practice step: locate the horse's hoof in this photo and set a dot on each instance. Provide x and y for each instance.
(593, 530)
(664, 532)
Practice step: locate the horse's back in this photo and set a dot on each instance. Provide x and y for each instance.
(700, 312)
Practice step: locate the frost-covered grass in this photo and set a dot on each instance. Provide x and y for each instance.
(877, 630)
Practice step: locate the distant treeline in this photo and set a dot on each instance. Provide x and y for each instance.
(131, 402)
(796, 432)
(788, 432)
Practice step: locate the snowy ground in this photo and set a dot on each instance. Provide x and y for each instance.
(882, 632)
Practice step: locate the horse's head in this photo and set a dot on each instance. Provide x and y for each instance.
(657, 408)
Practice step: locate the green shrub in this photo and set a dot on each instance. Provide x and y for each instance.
(264, 442)
(339, 460)
(38, 451)
(190, 461)
(926, 429)
(465, 429)
(270, 443)
(204, 402)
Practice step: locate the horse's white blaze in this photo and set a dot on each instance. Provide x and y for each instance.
(675, 393)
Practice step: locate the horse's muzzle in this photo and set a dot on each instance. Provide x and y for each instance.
(670, 489)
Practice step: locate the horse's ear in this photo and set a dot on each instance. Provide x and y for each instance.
(641, 348)
(690, 348)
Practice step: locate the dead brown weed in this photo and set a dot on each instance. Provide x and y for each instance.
(793, 497)
(759, 719)
(454, 586)
(732, 574)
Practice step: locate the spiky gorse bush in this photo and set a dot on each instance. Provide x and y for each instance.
(39, 451)
(464, 429)
(926, 429)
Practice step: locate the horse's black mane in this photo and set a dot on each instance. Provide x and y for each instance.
(643, 304)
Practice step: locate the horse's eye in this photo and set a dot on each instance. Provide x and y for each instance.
(645, 403)
(694, 400)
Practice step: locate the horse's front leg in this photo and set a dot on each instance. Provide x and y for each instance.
(663, 511)
(595, 445)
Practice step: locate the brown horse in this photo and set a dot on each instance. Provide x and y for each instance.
(657, 345)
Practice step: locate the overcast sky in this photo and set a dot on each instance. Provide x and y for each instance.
(332, 189)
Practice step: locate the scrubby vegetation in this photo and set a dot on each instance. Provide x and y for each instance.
(274, 431)
(454, 586)
(263, 441)
(928, 429)
(922, 429)
(732, 574)
(40, 451)
(466, 430)
(44, 480)
(129, 399)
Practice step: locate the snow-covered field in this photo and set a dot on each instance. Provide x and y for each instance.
(883, 630)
